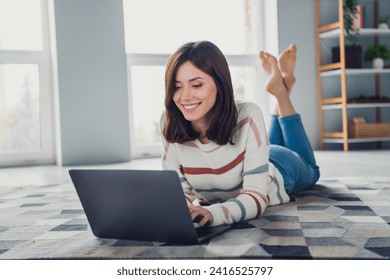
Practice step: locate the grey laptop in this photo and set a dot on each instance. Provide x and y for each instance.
(138, 205)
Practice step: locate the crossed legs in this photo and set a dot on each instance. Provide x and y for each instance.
(291, 151)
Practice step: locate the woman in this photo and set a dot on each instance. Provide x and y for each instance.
(229, 169)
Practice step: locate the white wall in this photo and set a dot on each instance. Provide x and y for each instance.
(92, 81)
(297, 24)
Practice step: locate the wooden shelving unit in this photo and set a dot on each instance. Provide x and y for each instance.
(335, 31)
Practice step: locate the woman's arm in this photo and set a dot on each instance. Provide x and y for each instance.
(253, 197)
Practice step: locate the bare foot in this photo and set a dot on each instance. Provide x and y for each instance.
(287, 60)
(275, 83)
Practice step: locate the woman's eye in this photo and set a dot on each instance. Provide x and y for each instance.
(197, 86)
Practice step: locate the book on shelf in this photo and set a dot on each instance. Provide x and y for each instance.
(359, 18)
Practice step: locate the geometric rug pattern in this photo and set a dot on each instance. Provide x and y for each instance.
(339, 218)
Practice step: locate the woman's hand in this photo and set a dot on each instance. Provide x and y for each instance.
(200, 215)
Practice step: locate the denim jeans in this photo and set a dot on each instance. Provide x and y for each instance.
(292, 154)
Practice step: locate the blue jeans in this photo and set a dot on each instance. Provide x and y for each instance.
(292, 154)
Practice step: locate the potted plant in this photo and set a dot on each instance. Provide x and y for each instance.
(350, 13)
(384, 22)
(377, 53)
(353, 51)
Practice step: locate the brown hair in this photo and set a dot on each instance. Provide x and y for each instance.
(208, 58)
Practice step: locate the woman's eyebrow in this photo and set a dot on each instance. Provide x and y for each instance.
(193, 79)
(196, 78)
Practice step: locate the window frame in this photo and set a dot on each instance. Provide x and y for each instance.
(41, 58)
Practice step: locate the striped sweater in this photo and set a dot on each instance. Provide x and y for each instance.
(237, 181)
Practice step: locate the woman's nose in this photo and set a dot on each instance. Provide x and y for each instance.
(187, 95)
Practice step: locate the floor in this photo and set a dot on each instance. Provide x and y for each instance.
(373, 163)
(345, 216)
(354, 163)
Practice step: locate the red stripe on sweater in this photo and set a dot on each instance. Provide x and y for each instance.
(217, 171)
(264, 197)
(258, 205)
(252, 124)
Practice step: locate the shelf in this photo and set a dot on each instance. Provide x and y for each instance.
(328, 37)
(333, 135)
(331, 101)
(356, 140)
(330, 106)
(364, 32)
(330, 28)
(352, 72)
(330, 67)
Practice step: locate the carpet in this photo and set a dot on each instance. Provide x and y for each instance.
(339, 218)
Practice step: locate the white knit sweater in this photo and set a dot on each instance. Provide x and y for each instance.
(237, 180)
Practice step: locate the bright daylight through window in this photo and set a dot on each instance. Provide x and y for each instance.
(154, 29)
(25, 128)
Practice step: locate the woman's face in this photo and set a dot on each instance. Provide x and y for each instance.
(195, 95)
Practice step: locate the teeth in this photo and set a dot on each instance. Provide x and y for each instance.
(189, 107)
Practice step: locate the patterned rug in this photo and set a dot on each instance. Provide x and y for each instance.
(342, 218)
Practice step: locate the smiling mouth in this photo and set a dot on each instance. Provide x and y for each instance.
(190, 107)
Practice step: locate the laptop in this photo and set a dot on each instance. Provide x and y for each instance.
(144, 205)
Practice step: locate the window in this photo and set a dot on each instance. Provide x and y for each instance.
(26, 128)
(155, 29)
